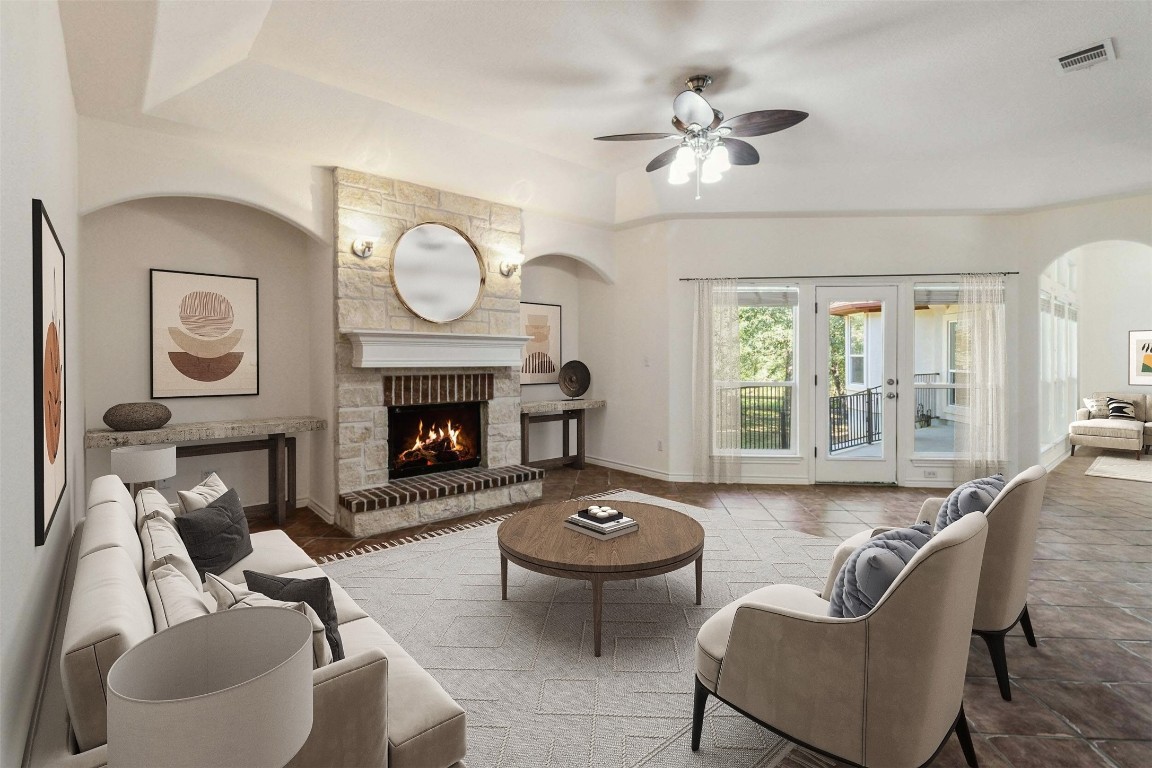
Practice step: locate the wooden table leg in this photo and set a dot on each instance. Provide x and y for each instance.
(699, 577)
(291, 443)
(597, 610)
(579, 463)
(276, 471)
(503, 577)
(567, 450)
(525, 423)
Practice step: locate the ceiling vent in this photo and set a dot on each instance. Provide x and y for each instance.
(1098, 53)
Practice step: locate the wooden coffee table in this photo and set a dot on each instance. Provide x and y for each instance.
(536, 539)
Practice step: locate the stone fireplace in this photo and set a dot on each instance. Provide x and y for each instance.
(393, 367)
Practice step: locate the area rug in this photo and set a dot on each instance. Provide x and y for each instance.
(1122, 468)
(523, 669)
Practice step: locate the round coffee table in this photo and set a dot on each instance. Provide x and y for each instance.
(537, 540)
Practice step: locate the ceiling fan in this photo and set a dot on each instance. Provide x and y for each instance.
(708, 144)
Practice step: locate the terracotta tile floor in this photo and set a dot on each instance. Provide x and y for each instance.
(1083, 698)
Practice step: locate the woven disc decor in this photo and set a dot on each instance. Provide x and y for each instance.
(574, 378)
(132, 417)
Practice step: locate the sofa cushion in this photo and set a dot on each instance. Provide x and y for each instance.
(347, 609)
(109, 488)
(425, 726)
(272, 552)
(1097, 407)
(150, 501)
(1139, 402)
(1119, 428)
(107, 614)
(173, 598)
(161, 542)
(1121, 409)
(228, 596)
(107, 525)
(848, 598)
(202, 495)
(315, 592)
(216, 535)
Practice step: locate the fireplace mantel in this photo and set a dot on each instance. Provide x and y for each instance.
(408, 349)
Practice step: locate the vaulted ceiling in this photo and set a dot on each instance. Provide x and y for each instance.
(915, 106)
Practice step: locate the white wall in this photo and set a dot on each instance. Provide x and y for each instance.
(1115, 295)
(123, 242)
(322, 380)
(37, 159)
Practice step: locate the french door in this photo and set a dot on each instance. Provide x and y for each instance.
(856, 384)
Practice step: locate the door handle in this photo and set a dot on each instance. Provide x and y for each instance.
(891, 395)
(891, 382)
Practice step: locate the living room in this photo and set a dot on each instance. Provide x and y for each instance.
(297, 146)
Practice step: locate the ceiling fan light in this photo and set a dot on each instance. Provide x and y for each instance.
(685, 160)
(676, 175)
(719, 158)
(710, 174)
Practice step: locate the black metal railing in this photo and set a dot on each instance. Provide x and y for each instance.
(929, 402)
(765, 417)
(855, 419)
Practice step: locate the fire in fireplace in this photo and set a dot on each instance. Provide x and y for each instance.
(433, 438)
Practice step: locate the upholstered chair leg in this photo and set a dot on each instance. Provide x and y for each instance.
(964, 736)
(700, 699)
(995, 643)
(1073, 450)
(1026, 625)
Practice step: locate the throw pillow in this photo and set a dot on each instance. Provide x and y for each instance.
(962, 501)
(1121, 409)
(316, 592)
(230, 596)
(851, 596)
(173, 598)
(1097, 407)
(217, 535)
(202, 495)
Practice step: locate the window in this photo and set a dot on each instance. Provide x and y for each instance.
(1059, 379)
(957, 364)
(938, 381)
(854, 343)
(767, 367)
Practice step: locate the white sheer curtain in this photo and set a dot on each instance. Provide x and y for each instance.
(983, 439)
(715, 381)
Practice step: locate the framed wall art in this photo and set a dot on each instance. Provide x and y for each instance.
(50, 374)
(1140, 358)
(541, 363)
(205, 334)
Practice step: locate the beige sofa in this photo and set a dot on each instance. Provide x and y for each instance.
(375, 707)
(1116, 434)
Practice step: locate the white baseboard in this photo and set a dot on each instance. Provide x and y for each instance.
(325, 514)
(643, 471)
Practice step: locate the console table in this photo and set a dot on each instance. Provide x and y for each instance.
(566, 411)
(281, 448)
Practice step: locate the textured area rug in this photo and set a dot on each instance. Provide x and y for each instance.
(523, 669)
(1122, 468)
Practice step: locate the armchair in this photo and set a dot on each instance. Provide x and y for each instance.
(1002, 600)
(883, 689)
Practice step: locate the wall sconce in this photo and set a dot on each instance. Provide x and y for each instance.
(511, 264)
(362, 248)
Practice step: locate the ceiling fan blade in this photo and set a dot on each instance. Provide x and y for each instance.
(691, 108)
(662, 159)
(637, 137)
(717, 118)
(741, 152)
(678, 124)
(764, 121)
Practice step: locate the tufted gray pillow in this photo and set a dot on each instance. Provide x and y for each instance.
(871, 569)
(973, 496)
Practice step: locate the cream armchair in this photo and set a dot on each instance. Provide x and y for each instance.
(884, 689)
(1002, 601)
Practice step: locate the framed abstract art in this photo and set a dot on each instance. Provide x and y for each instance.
(50, 374)
(1140, 358)
(205, 334)
(541, 323)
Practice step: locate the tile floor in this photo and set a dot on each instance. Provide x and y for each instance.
(1083, 698)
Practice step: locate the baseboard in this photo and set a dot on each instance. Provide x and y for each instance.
(642, 471)
(325, 514)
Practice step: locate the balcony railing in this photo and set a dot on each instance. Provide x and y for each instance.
(855, 419)
(765, 417)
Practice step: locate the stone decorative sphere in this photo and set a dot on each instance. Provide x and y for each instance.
(132, 417)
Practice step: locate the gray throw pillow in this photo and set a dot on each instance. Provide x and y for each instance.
(973, 496)
(317, 593)
(871, 569)
(216, 536)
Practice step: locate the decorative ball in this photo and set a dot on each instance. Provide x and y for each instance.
(133, 417)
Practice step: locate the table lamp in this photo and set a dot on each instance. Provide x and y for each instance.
(227, 689)
(143, 464)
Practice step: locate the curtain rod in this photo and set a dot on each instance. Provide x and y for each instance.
(841, 277)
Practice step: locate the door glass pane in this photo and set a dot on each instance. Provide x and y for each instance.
(855, 378)
(939, 349)
(767, 366)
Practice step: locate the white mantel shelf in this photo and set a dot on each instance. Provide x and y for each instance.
(408, 349)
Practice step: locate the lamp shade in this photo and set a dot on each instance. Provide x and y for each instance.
(144, 463)
(228, 688)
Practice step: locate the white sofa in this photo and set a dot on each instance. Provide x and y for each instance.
(1115, 434)
(376, 707)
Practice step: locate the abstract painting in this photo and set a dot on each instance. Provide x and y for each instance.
(1140, 358)
(49, 375)
(205, 335)
(540, 322)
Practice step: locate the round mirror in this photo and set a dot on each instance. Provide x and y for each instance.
(437, 272)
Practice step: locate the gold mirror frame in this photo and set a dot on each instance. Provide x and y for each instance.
(479, 261)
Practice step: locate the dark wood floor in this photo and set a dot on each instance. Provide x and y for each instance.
(1083, 698)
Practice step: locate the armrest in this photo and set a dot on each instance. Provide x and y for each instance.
(1082, 414)
(798, 672)
(349, 713)
(929, 510)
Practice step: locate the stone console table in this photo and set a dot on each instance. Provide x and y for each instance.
(281, 449)
(556, 410)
